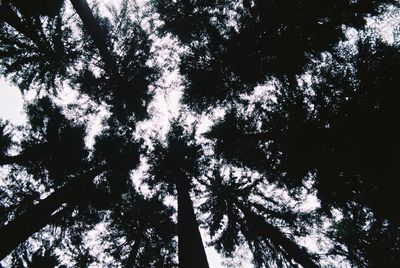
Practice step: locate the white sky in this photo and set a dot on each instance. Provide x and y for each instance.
(11, 103)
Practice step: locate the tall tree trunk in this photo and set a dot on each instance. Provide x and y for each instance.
(130, 261)
(96, 33)
(259, 226)
(124, 92)
(38, 216)
(190, 245)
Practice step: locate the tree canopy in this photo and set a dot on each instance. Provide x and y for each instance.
(159, 133)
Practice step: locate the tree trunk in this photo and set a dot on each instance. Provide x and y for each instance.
(124, 92)
(130, 261)
(99, 38)
(38, 216)
(190, 245)
(259, 226)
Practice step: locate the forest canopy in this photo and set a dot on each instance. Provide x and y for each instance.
(255, 133)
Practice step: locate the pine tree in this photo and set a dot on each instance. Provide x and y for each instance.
(178, 165)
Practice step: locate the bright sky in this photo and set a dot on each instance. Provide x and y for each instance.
(11, 103)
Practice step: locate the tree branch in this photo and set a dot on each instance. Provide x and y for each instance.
(259, 226)
(38, 216)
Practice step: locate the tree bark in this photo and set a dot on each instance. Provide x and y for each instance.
(38, 216)
(190, 245)
(262, 228)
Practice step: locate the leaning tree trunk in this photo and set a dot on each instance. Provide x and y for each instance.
(125, 92)
(38, 216)
(96, 33)
(259, 226)
(190, 246)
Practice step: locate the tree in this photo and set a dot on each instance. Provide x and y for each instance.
(37, 47)
(147, 225)
(178, 165)
(236, 46)
(6, 140)
(230, 197)
(54, 149)
(347, 106)
(306, 113)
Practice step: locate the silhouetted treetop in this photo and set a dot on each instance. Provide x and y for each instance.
(232, 222)
(123, 50)
(178, 157)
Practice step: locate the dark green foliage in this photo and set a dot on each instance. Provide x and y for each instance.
(125, 74)
(22, 197)
(355, 136)
(370, 242)
(180, 156)
(340, 132)
(221, 202)
(237, 143)
(39, 259)
(37, 8)
(343, 130)
(54, 143)
(117, 151)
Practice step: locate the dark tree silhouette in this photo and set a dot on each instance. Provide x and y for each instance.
(148, 229)
(235, 46)
(35, 48)
(5, 141)
(342, 134)
(178, 165)
(229, 197)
